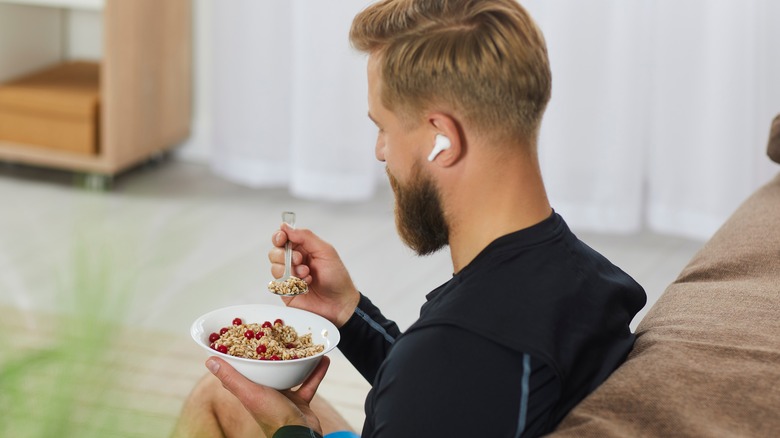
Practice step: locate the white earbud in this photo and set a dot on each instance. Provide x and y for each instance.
(442, 143)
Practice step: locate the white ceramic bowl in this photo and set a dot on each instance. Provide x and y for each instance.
(281, 374)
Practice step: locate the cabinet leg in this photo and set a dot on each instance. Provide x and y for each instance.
(157, 159)
(95, 182)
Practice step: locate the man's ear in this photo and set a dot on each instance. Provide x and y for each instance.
(447, 145)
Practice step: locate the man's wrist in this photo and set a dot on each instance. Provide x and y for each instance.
(296, 431)
(348, 310)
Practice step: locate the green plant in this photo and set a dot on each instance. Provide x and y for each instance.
(59, 385)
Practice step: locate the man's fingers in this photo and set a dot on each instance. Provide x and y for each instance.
(247, 391)
(270, 408)
(300, 271)
(306, 239)
(279, 238)
(276, 255)
(309, 386)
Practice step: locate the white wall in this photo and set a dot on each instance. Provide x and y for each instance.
(84, 34)
(57, 34)
(22, 51)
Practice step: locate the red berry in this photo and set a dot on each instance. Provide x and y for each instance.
(267, 324)
(261, 349)
(290, 345)
(275, 357)
(222, 349)
(213, 337)
(249, 334)
(223, 330)
(259, 335)
(279, 321)
(237, 321)
(294, 357)
(213, 347)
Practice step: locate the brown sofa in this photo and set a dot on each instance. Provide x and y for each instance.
(706, 362)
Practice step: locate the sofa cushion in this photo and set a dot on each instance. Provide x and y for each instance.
(707, 357)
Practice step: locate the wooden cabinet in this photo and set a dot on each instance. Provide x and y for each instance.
(145, 80)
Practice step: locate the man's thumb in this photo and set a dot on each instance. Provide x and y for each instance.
(231, 379)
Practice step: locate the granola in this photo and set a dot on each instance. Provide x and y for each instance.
(292, 286)
(264, 341)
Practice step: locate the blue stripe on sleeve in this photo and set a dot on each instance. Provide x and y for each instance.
(524, 395)
(375, 325)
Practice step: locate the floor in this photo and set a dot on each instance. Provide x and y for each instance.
(98, 289)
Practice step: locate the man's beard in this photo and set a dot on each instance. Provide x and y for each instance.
(419, 217)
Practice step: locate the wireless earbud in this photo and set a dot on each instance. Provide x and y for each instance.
(442, 143)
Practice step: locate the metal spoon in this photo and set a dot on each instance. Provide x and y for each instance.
(288, 285)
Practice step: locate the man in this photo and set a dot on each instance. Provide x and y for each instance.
(532, 320)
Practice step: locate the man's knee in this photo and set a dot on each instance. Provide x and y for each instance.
(212, 411)
(208, 389)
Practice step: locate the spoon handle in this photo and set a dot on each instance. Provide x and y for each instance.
(288, 217)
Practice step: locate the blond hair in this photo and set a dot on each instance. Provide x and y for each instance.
(485, 59)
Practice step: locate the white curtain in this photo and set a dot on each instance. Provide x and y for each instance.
(290, 98)
(659, 117)
(660, 111)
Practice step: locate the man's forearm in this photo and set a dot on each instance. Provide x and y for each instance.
(367, 337)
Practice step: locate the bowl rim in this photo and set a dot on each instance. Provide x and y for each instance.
(334, 341)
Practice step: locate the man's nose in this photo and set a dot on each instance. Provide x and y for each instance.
(379, 150)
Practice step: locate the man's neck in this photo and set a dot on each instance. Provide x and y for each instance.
(485, 205)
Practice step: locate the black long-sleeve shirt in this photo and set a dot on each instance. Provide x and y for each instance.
(505, 348)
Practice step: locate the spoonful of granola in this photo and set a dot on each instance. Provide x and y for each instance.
(288, 285)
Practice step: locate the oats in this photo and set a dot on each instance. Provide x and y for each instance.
(280, 340)
(291, 286)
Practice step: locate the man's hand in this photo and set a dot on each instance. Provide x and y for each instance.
(331, 291)
(270, 408)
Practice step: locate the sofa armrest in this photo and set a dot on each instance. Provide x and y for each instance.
(773, 149)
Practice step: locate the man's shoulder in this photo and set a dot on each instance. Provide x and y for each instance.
(547, 302)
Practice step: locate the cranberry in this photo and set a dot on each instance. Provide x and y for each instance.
(223, 330)
(267, 324)
(294, 357)
(237, 321)
(275, 357)
(290, 345)
(259, 335)
(261, 349)
(213, 347)
(213, 337)
(279, 321)
(249, 334)
(222, 349)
